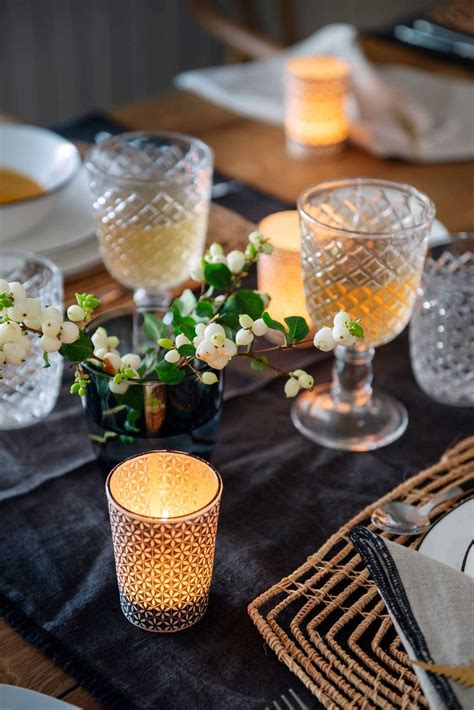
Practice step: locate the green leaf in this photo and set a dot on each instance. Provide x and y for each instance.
(131, 419)
(168, 373)
(204, 308)
(46, 362)
(149, 362)
(133, 397)
(297, 328)
(153, 327)
(183, 324)
(241, 302)
(259, 364)
(78, 351)
(186, 303)
(218, 275)
(126, 439)
(355, 328)
(274, 324)
(187, 350)
(6, 300)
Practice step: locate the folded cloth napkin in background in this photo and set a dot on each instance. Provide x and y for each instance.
(395, 110)
(431, 606)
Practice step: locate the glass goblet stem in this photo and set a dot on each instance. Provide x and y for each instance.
(352, 376)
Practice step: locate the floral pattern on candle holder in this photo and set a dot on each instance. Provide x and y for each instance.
(164, 564)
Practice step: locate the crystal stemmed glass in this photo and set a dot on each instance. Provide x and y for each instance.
(364, 243)
(150, 195)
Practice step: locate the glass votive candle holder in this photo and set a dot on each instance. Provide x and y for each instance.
(280, 275)
(164, 508)
(315, 90)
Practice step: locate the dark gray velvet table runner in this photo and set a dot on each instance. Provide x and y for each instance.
(283, 496)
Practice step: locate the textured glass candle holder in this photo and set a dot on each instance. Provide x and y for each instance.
(364, 243)
(150, 195)
(29, 392)
(442, 326)
(280, 274)
(164, 508)
(315, 90)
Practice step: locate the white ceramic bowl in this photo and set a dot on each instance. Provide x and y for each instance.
(42, 155)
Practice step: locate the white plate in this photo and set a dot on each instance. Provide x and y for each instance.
(13, 698)
(451, 539)
(70, 223)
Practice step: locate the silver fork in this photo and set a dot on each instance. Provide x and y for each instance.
(287, 704)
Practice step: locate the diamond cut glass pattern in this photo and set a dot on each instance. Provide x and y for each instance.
(442, 328)
(164, 509)
(361, 254)
(363, 246)
(29, 392)
(150, 196)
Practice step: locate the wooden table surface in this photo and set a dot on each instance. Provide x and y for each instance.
(254, 153)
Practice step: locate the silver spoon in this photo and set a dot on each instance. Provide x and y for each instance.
(405, 518)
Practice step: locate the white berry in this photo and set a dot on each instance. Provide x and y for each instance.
(132, 360)
(206, 350)
(244, 337)
(99, 338)
(25, 343)
(19, 311)
(172, 356)
(2, 354)
(100, 352)
(260, 327)
(112, 342)
(51, 315)
(343, 336)
(49, 344)
(219, 362)
(33, 323)
(245, 321)
(4, 286)
(292, 387)
(212, 329)
(235, 261)
(216, 249)
(209, 378)
(305, 381)
(14, 353)
(51, 329)
(75, 313)
(17, 289)
(197, 274)
(69, 332)
(113, 360)
(10, 332)
(182, 339)
(34, 307)
(256, 238)
(197, 340)
(218, 339)
(341, 318)
(229, 348)
(324, 340)
(200, 329)
(118, 387)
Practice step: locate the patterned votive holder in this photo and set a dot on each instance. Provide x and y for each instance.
(280, 274)
(315, 113)
(164, 507)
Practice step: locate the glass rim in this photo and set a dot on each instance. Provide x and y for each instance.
(99, 320)
(207, 157)
(39, 258)
(401, 187)
(171, 519)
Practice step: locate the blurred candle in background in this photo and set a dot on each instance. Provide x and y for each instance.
(280, 274)
(163, 508)
(315, 97)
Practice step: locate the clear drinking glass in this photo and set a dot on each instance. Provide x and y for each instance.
(442, 327)
(29, 392)
(364, 243)
(151, 195)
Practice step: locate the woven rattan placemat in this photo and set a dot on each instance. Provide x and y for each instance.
(327, 622)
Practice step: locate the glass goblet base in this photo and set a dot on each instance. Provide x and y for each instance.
(349, 427)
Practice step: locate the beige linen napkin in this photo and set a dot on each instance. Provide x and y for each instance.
(432, 607)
